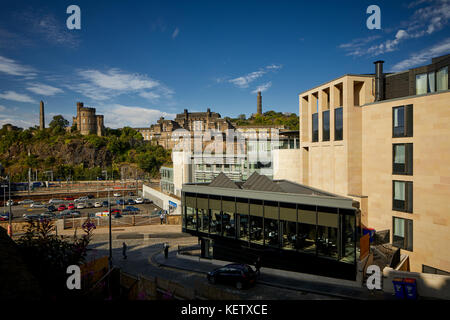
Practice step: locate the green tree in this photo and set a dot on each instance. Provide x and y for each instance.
(58, 124)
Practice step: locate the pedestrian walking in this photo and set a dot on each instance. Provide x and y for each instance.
(162, 217)
(124, 250)
(258, 266)
(166, 250)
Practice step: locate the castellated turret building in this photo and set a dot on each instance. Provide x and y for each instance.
(87, 121)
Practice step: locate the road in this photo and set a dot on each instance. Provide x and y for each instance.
(142, 246)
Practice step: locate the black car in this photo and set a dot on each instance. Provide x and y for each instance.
(90, 196)
(239, 275)
(105, 203)
(51, 208)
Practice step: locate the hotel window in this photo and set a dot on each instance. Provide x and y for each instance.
(315, 127)
(326, 126)
(425, 83)
(442, 79)
(402, 159)
(403, 233)
(402, 196)
(402, 121)
(338, 124)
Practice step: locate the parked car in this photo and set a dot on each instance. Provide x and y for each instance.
(90, 196)
(26, 201)
(51, 208)
(89, 205)
(117, 194)
(117, 215)
(55, 201)
(102, 214)
(105, 203)
(240, 275)
(81, 205)
(48, 215)
(69, 198)
(148, 201)
(32, 217)
(115, 211)
(120, 202)
(131, 194)
(131, 208)
(62, 207)
(37, 205)
(98, 204)
(10, 203)
(4, 218)
(139, 201)
(130, 201)
(81, 199)
(75, 214)
(71, 206)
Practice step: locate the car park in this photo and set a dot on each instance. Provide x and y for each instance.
(130, 201)
(71, 206)
(69, 198)
(105, 203)
(81, 205)
(117, 215)
(239, 275)
(117, 194)
(32, 217)
(48, 215)
(89, 205)
(120, 202)
(98, 204)
(90, 196)
(26, 201)
(139, 201)
(51, 208)
(114, 211)
(62, 207)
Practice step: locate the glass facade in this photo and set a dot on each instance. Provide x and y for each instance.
(326, 126)
(442, 79)
(338, 124)
(321, 231)
(315, 127)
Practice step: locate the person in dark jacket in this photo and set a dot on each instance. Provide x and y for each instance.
(258, 265)
(124, 250)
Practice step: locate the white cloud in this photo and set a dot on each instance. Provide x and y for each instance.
(104, 85)
(11, 67)
(118, 116)
(14, 96)
(175, 33)
(263, 87)
(423, 56)
(244, 81)
(432, 16)
(43, 89)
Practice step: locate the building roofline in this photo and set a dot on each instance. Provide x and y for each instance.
(405, 97)
(343, 76)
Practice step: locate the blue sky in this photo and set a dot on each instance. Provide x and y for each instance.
(138, 60)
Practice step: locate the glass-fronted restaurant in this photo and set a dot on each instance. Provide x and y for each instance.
(287, 225)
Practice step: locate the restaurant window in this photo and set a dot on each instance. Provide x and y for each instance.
(256, 224)
(402, 195)
(216, 222)
(288, 225)
(306, 238)
(242, 226)
(203, 217)
(402, 124)
(315, 127)
(338, 124)
(403, 233)
(348, 238)
(326, 126)
(228, 228)
(191, 218)
(402, 159)
(327, 232)
(442, 79)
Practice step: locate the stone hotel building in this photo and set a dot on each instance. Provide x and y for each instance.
(383, 139)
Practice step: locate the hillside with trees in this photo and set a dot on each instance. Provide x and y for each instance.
(67, 153)
(289, 120)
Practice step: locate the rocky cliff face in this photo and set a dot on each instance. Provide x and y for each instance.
(74, 153)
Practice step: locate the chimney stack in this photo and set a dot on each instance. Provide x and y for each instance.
(259, 103)
(379, 80)
(42, 117)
